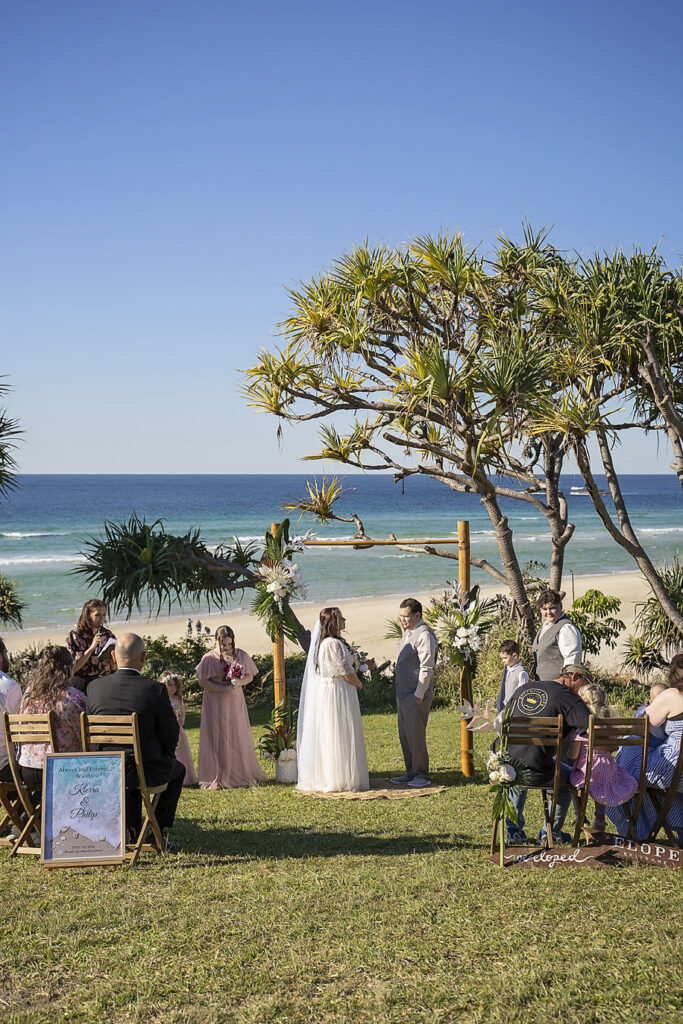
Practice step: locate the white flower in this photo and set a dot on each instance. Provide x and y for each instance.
(287, 755)
(494, 778)
(507, 773)
(493, 762)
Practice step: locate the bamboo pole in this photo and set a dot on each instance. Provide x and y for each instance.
(466, 738)
(361, 543)
(278, 653)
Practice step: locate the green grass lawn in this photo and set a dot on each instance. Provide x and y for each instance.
(283, 908)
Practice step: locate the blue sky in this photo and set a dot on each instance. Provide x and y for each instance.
(169, 168)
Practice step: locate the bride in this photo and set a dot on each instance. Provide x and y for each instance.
(330, 745)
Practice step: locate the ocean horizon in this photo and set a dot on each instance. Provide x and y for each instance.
(45, 524)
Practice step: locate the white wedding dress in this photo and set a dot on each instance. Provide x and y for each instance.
(330, 746)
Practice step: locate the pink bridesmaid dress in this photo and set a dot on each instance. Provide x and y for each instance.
(227, 758)
(183, 752)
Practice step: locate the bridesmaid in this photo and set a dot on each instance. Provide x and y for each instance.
(227, 757)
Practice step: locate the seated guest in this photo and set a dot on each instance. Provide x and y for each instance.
(10, 701)
(124, 692)
(657, 732)
(666, 710)
(546, 699)
(49, 689)
(86, 643)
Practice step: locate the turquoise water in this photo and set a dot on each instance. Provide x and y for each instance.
(44, 525)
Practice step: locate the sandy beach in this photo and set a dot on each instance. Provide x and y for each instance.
(366, 619)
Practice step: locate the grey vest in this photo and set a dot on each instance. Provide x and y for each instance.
(407, 671)
(548, 662)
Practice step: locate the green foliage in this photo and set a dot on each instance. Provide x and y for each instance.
(10, 431)
(11, 605)
(23, 662)
(280, 733)
(183, 657)
(136, 561)
(593, 614)
(656, 637)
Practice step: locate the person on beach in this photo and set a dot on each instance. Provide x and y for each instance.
(558, 641)
(514, 673)
(10, 701)
(49, 689)
(174, 687)
(86, 643)
(127, 691)
(610, 784)
(227, 758)
(414, 692)
(665, 710)
(331, 756)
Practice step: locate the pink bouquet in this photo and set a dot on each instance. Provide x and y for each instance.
(233, 671)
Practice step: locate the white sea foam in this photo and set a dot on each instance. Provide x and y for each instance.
(661, 529)
(28, 560)
(18, 535)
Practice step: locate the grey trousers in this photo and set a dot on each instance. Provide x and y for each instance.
(412, 732)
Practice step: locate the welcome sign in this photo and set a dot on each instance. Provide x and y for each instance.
(83, 809)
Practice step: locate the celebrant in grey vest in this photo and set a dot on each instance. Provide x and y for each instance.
(414, 692)
(558, 641)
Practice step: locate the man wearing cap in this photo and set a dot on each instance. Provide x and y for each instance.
(558, 641)
(547, 699)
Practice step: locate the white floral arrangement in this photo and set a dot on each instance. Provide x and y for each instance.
(460, 620)
(277, 581)
(287, 755)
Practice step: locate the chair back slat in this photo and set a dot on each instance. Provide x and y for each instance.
(534, 732)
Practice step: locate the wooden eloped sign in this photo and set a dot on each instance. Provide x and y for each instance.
(612, 851)
(83, 810)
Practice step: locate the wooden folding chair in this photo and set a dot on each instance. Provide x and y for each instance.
(106, 732)
(613, 733)
(27, 729)
(535, 732)
(10, 801)
(663, 799)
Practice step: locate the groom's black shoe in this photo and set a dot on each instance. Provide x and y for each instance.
(402, 780)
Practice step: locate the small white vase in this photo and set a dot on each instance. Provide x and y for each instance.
(285, 771)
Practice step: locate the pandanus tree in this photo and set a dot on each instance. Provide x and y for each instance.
(484, 375)
(426, 360)
(619, 320)
(11, 605)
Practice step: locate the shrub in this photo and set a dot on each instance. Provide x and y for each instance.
(23, 662)
(11, 605)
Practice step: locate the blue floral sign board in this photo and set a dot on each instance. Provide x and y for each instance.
(83, 810)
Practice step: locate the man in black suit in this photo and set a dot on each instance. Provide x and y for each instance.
(124, 692)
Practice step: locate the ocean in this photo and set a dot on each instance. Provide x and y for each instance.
(45, 523)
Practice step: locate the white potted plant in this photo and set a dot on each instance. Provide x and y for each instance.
(278, 741)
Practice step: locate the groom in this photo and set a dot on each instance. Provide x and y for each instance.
(414, 692)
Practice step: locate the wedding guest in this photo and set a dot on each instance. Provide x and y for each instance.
(548, 699)
(227, 757)
(657, 732)
(514, 673)
(86, 643)
(558, 641)
(174, 687)
(127, 691)
(414, 692)
(665, 710)
(49, 689)
(610, 785)
(10, 701)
